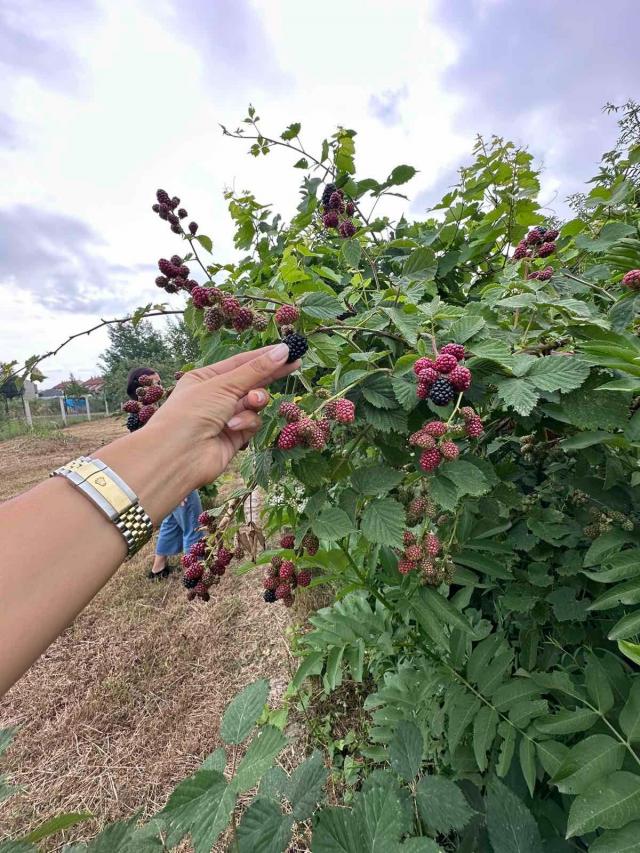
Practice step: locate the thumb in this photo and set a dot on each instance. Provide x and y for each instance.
(258, 372)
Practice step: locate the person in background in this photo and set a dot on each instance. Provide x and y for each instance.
(179, 530)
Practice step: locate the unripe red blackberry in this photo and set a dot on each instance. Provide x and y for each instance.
(310, 543)
(430, 459)
(350, 208)
(474, 427)
(456, 350)
(287, 540)
(347, 229)
(345, 411)
(467, 412)
(533, 276)
(422, 390)
(413, 553)
(449, 449)
(317, 438)
(441, 392)
(224, 556)
(445, 362)
(153, 394)
(324, 424)
(417, 509)
(520, 252)
(276, 561)
(270, 582)
(182, 213)
(335, 201)
(260, 322)
(286, 314)
(428, 376)
(432, 544)
(631, 280)
(290, 412)
(193, 228)
(183, 271)
(286, 570)
(187, 560)
(200, 297)
(288, 600)
(212, 319)
(405, 566)
(297, 345)
(230, 306)
(194, 571)
(546, 249)
(545, 274)
(551, 235)
(331, 219)
(200, 589)
(243, 319)
(162, 280)
(146, 412)
(460, 378)
(166, 267)
(289, 438)
(407, 537)
(422, 440)
(189, 285)
(435, 428)
(205, 519)
(163, 197)
(422, 363)
(535, 236)
(198, 549)
(131, 406)
(283, 590)
(304, 577)
(330, 410)
(269, 596)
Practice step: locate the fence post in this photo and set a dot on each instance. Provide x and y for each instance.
(106, 406)
(86, 400)
(27, 412)
(63, 411)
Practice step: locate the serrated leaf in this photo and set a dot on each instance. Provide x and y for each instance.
(465, 328)
(551, 754)
(304, 789)
(630, 714)
(406, 322)
(273, 784)
(386, 420)
(332, 524)
(380, 819)
(442, 805)
(507, 748)
(468, 478)
(444, 491)
(405, 750)
(588, 761)
(625, 840)
(442, 610)
(205, 242)
(511, 826)
(334, 831)
(609, 803)
(311, 665)
(291, 132)
(400, 175)
(351, 251)
(485, 726)
(375, 479)
(378, 391)
(217, 760)
(263, 828)
(461, 714)
(420, 264)
(493, 350)
(260, 755)
(518, 394)
(558, 373)
(243, 711)
(405, 391)
(201, 805)
(321, 305)
(383, 522)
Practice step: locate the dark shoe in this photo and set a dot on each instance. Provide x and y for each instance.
(163, 575)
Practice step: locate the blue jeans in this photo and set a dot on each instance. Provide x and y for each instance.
(179, 530)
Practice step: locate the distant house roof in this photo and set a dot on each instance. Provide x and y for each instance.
(95, 384)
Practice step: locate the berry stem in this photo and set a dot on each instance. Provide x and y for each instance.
(197, 257)
(455, 411)
(590, 284)
(358, 329)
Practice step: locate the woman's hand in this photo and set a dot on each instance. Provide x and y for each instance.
(213, 411)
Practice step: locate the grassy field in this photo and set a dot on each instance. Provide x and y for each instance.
(128, 700)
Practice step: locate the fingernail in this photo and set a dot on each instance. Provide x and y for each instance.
(279, 353)
(260, 396)
(235, 421)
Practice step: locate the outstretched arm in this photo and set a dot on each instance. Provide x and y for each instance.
(57, 549)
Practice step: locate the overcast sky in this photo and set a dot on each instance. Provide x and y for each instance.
(103, 101)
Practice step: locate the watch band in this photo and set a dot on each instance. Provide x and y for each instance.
(110, 494)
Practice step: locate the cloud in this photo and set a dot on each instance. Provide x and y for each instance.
(56, 259)
(8, 131)
(386, 105)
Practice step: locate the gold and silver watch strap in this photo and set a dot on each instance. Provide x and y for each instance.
(111, 495)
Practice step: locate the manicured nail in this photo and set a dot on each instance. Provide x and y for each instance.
(260, 397)
(235, 421)
(279, 353)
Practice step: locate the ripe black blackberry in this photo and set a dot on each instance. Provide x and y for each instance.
(189, 583)
(269, 595)
(441, 392)
(297, 344)
(327, 193)
(133, 422)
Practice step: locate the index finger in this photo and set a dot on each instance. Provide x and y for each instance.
(261, 370)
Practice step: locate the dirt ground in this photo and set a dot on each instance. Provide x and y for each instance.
(128, 700)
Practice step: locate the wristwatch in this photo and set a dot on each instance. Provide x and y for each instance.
(112, 496)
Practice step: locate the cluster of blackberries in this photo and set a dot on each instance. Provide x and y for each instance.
(632, 280)
(538, 243)
(435, 438)
(420, 508)
(203, 567)
(310, 542)
(303, 431)
(425, 556)
(439, 379)
(602, 521)
(142, 409)
(165, 208)
(175, 275)
(541, 275)
(281, 579)
(337, 211)
(220, 309)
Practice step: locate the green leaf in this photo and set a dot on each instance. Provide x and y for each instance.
(304, 789)
(205, 242)
(444, 491)
(507, 749)
(201, 805)
(263, 828)
(442, 805)
(274, 784)
(6, 736)
(418, 845)
(630, 650)
(466, 327)
(421, 263)
(468, 478)
(334, 831)
(400, 175)
(518, 394)
(528, 762)
(383, 522)
(585, 439)
(405, 750)
(597, 683)
(515, 690)
(408, 323)
(493, 350)
(485, 726)
(567, 722)
(311, 665)
(551, 754)
(56, 824)
(332, 524)
(375, 479)
(604, 545)
(243, 711)
(351, 251)
(625, 840)
(511, 826)
(386, 420)
(630, 714)
(405, 391)
(17, 847)
(441, 609)
(609, 803)
(217, 760)
(291, 132)
(626, 627)
(627, 592)
(380, 819)
(262, 752)
(588, 761)
(558, 373)
(461, 713)
(321, 305)
(378, 391)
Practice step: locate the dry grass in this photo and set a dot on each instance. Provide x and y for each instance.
(128, 700)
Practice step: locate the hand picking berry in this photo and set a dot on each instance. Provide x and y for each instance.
(297, 344)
